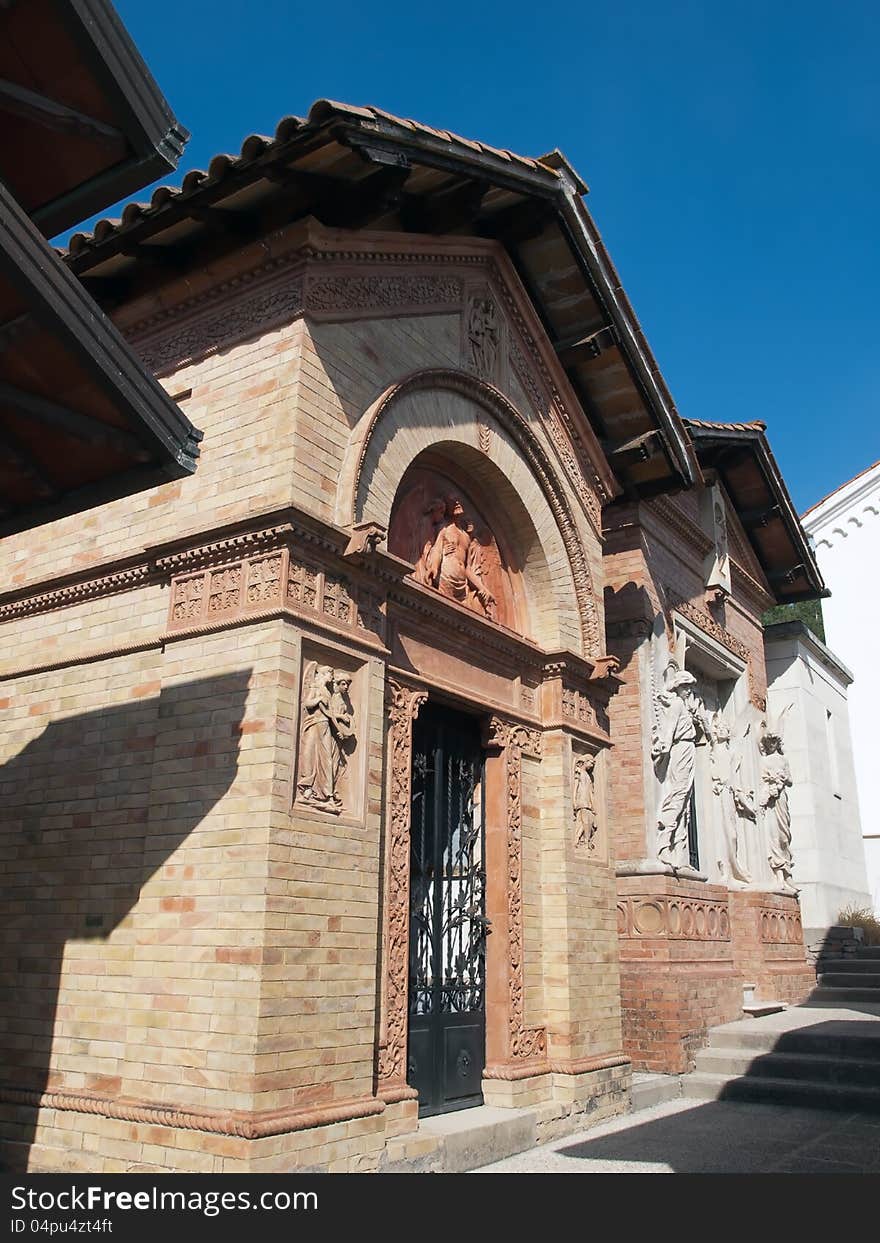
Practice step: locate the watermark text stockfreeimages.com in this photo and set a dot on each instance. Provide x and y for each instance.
(96, 1198)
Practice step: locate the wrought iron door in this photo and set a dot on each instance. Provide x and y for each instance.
(447, 946)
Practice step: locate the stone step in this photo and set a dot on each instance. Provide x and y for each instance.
(802, 1093)
(867, 952)
(649, 1089)
(471, 1137)
(841, 995)
(860, 1040)
(807, 1067)
(850, 966)
(848, 979)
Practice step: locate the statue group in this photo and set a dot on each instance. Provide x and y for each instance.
(681, 724)
(327, 737)
(452, 555)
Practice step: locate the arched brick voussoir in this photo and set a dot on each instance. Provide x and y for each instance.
(472, 420)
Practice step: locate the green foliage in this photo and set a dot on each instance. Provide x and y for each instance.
(807, 611)
(861, 917)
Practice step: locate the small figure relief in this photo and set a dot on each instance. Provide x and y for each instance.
(674, 753)
(342, 725)
(451, 547)
(586, 818)
(775, 784)
(483, 333)
(717, 568)
(737, 804)
(327, 737)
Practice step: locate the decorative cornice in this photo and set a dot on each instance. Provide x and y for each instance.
(749, 587)
(242, 1125)
(30, 602)
(703, 621)
(82, 658)
(227, 549)
(670, 515)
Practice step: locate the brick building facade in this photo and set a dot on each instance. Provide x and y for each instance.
(442, 495)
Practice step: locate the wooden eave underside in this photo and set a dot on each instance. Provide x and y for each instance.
(353, 169)
(83, 121)
(743, 460)
(80, 420)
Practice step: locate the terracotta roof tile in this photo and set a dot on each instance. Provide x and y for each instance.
(256, 145)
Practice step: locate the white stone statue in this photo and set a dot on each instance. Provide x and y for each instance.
(674, 752)
(737, 804)
(775, 784)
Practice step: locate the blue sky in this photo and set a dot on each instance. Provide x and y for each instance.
(732, 154)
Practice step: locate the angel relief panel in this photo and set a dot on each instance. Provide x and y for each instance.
(436, 526)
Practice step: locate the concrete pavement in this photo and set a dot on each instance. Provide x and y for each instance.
(714, 1137)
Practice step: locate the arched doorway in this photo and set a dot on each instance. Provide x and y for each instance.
(491, 616)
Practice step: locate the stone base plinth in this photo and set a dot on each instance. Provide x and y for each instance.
(769, 945)
(686, 951)
(79, 1135)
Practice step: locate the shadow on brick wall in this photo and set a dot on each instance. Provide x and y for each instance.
(89, 811)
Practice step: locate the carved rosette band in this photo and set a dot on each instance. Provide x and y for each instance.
(514, 740)
(681, 919)
(402, 705)
(781, 927)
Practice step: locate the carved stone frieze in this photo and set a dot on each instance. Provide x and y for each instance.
(402, 704)
(376, 292)
(781, 927)
(281, 578)
(235, 317)
(576, 706)
(680, 919)
(515, 740)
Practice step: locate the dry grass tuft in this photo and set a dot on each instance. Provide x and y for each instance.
(861, 917)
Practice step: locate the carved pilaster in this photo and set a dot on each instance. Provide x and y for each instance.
(402, 704)
(513, 740)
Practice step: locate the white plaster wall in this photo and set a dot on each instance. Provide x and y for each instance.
(827, 848)
(845, 531)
